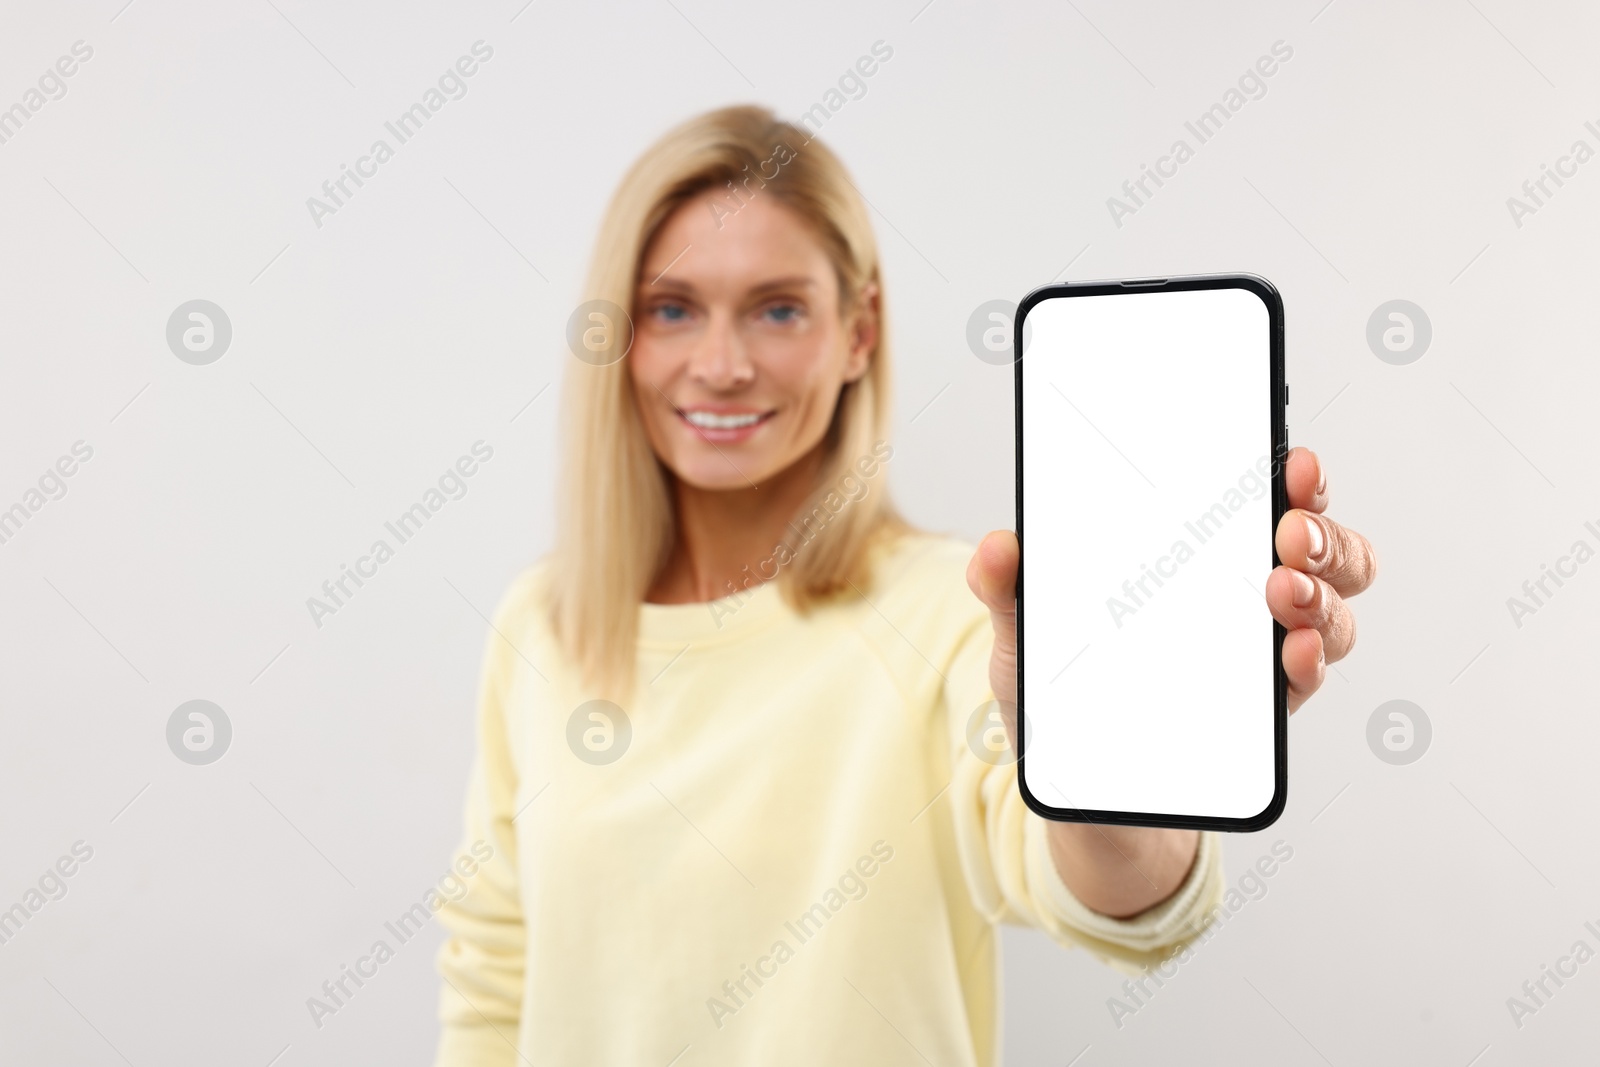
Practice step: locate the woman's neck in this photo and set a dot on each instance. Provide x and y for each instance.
(722, 532)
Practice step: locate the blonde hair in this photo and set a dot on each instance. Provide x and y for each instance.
(616, 522)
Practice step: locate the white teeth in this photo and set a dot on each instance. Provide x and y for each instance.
(707, 420)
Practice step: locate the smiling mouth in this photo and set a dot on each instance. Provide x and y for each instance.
(710, 420)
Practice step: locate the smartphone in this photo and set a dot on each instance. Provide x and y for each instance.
(1151, 441)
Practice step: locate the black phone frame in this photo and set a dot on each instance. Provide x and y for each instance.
(1278, 434)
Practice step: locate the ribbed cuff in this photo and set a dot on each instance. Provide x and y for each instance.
(1141, 939)
(477, 1045)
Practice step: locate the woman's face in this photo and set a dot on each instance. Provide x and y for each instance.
(739, 351)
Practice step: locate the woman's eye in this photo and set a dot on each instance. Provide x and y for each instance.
(781, 313)
(670, 312)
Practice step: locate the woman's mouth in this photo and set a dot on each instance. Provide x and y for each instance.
(723, 426)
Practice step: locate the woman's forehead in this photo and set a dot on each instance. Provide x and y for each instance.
(713, 242)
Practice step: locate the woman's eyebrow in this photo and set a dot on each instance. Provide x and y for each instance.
(681, 285)
(662, 284)
(797, 281)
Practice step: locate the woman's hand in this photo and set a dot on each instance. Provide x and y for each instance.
(1323, 564)
(1122, 870)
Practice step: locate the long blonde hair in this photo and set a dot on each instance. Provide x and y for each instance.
(616, 522)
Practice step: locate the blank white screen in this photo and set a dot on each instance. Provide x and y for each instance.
(1146, 444)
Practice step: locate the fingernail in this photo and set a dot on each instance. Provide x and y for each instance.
(1304, 591)
(1322, 478)
(1315, 541)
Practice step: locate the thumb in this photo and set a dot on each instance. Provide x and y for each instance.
(992, 577)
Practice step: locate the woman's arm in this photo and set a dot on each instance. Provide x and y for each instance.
(1121, 871)
(481, 961)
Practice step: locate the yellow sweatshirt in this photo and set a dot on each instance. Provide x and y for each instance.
(783, 851)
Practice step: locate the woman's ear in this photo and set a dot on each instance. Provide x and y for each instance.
(863, 334)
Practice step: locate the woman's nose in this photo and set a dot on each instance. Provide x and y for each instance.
(719, 360)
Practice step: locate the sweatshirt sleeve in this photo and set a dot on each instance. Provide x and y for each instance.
(481, 961)
(1005, 855)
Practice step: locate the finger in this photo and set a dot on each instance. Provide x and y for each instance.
(1306, 480)
(992, 573)
(1303, 664)
(1317, 545)
(992, 576)
(1300, 601)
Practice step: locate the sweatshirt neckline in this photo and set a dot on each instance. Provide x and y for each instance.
(722, 619)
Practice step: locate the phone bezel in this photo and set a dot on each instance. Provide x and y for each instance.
(1278, 435)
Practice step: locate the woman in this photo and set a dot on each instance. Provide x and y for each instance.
(724, 786)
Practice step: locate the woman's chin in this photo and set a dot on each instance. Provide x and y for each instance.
(720, 473)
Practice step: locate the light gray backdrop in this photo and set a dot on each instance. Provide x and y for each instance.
(427, 313)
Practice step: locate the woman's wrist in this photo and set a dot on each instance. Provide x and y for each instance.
(1121, 871)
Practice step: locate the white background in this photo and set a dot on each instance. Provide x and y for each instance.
(1142, 411)
(413, 323)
